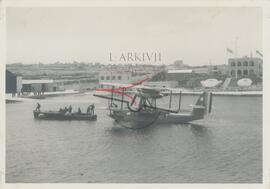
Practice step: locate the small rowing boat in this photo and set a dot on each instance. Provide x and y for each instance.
(55, 115)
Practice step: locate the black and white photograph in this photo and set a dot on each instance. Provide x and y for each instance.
(134, 94)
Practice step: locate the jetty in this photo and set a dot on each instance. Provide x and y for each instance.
(221, 93)
(14, 99)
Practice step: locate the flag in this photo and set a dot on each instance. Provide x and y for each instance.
(229, 50)
(259, 53)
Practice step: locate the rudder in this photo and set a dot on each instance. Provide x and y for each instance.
(205, 99)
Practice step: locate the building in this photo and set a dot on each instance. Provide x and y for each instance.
(160, 84)
(187, 78)
(200, 70)
(119, 77)
(218, 69)
(38, 85)
(13, 82)
(179, 75)
(115, 76)
(246, 66)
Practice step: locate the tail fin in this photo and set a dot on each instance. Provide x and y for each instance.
(205, 100)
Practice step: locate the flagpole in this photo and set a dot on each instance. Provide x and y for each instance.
(227, 57)
(227, 60)
(236, 63)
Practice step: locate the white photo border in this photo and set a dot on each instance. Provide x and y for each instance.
(146, 3)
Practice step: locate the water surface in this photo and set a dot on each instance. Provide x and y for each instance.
(226, 147)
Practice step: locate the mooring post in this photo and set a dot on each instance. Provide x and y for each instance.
(170, 104)
(122, 99)
(112, 95)
(180, 94)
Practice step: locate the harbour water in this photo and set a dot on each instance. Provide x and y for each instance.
(226, 147)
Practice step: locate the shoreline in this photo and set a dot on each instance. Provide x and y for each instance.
(10, 99)
(16, 99)
(227, 93)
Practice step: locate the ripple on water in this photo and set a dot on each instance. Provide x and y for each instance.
(225, 147)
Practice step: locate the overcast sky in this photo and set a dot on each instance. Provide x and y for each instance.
(194, 35)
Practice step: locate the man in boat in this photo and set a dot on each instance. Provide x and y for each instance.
(92, 109)
(38, 107)
(88, 109)
(79, 110)
(70, 109)
(65, 109)
(61, 110)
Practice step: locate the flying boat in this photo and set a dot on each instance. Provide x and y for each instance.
(137, 105)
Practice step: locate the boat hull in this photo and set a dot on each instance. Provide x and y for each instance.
(50, 115)
(144, 119)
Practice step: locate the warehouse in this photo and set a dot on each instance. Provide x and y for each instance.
(38, 85)
(13, 82)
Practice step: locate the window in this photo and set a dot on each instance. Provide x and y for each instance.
(239, 72)
(239, 64)
(232, 73)
(102, 77)
(113, 77)
(251, 72)
(251, 63)
(245, 63)
(245, 72)
(119, 77)
(107, 77)
(232, 63)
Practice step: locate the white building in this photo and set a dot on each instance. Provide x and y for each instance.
(245, 66)
(114, 77)
(119, 77)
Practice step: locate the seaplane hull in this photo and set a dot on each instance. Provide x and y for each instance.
(146, 118)
(134, 119)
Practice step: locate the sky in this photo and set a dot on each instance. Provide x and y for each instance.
(198, 36)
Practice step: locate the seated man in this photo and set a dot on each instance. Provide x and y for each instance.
(65, 109)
